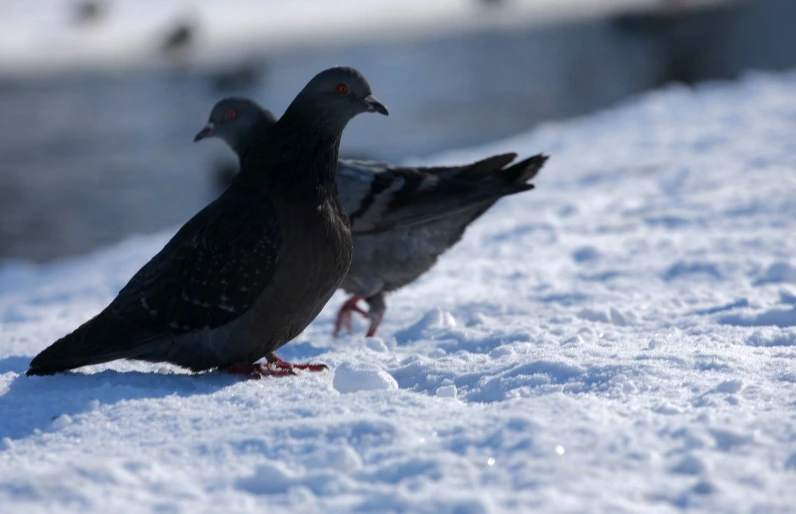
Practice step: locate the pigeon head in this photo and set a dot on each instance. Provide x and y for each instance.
(233, 120)
(333, 97)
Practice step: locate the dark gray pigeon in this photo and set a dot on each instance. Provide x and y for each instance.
(251, 270)
(402, 218)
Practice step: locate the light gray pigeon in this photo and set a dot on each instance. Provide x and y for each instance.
(402, 218)
(251, 270)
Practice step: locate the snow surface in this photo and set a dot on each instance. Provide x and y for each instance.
(622, 339)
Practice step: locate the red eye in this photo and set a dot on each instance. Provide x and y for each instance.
(342, 89)
(230, 115)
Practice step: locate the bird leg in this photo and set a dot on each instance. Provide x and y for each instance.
(377, 306)
(375, 320)
(275, 367)
(344, 316)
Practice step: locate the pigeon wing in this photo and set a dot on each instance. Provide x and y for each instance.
(211, 272)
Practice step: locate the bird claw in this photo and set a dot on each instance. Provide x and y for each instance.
(275, 368)
(278, 364)
(255, 371)
(345, 315)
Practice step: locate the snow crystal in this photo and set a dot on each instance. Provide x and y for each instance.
(346, 459)
(61, 422)
(775, 337)
(777, 273)
(447, 391)
(349, 378)
(268, 478)
(730, 386)
(689, 465)
(434, 322)
(376, 344)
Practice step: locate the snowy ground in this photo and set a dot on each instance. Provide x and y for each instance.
(622, 339)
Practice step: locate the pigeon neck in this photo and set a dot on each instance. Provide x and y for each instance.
(314, 118)
(247, 140)
(301, 156)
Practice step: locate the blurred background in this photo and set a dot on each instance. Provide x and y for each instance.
(101, 98)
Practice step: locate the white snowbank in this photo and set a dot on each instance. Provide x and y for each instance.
(621, 339)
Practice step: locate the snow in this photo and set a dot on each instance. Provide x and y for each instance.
(349, 378)
(621, 339)
(447, 391)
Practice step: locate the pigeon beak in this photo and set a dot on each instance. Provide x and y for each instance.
(207, 131)
(375, 106)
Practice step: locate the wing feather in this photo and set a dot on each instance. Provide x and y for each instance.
(211, 272)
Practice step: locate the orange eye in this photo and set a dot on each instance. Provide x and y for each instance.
(342, 89)
(230, 115)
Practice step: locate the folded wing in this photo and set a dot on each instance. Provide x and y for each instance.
(210, 273)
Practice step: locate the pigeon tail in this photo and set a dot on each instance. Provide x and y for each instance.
(525, 170)
(477, 186)
(73, 350)
(512, 180)
(480, 169)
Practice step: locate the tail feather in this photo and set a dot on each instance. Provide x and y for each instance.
(508, 181)
(525, 170)
(512, 180)
(494, 168)
(464, 190)
(82, 347)
(486, 167)
(475, 170)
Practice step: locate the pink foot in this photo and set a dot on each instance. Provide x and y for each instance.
(277, 368)
(344, 316)
(249, 370)
(275, 362)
